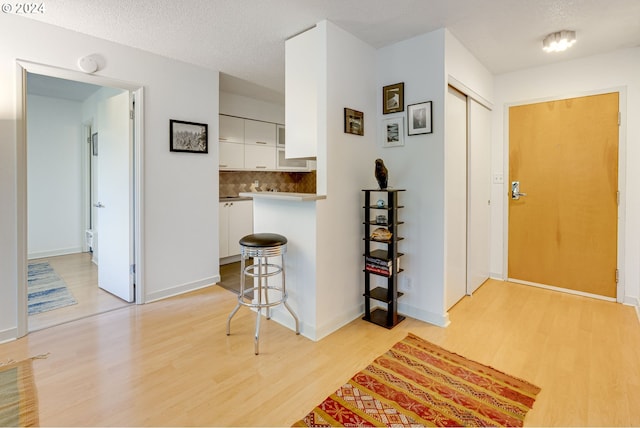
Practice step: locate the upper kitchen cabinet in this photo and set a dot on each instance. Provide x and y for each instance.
(231, 129)
(303, 54)
(280, 136)
(231, 155)
(261, 133)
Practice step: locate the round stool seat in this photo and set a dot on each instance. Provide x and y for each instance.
(263, 240)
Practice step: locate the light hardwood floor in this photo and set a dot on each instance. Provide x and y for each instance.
(81, 277)
(170, 363)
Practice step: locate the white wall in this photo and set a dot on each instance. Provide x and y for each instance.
(426, 64)
(55, 191)
(418, 167)
(609, 72)
(180, 191)
(466, 73)
(251, 108)
(348, 162)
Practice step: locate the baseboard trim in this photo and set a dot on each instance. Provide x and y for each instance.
(54, 253)
(563, 290)
(339, 322)
(8, 335)
(280, 315)
(426, 316)
(230, 259)
(633, 301)
(181, 289)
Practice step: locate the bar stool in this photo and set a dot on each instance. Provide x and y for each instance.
(261, 246)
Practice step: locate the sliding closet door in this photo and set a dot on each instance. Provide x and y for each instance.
(455, 198)
(467, 196)
(479, 194)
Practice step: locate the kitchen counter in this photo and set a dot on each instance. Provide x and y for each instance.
(293, 215)
(284, 196)
(234, 198)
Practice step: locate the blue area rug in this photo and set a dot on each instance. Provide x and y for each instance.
(47, 291)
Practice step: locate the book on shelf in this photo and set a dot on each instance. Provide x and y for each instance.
(378, 262)
(384, 263)
(377, 270)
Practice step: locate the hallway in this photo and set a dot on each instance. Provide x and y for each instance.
(81, 278)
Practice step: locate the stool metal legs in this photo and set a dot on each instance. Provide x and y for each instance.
(260, 271)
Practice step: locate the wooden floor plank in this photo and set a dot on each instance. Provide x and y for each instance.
(170, 363)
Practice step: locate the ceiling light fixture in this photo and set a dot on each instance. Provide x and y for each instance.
(559, 41)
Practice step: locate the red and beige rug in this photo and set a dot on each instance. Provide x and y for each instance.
(418, 383)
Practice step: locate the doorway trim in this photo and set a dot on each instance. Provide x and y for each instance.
(23, 67)
(87, 128)
(622, 188)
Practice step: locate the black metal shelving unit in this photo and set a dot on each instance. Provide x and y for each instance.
(383, 262)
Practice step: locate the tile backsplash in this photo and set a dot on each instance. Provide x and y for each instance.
(234, 182)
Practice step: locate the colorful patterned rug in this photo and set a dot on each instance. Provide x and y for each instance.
(18, 398)
(47, 291)
(417, 383)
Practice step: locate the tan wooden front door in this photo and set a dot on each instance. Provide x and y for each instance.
(564, 154)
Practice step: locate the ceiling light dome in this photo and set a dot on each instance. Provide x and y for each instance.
(559, 41)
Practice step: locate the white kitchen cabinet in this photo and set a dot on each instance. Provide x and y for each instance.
(290, 164)
(259, 157)
(231, 129)
(231, 155)
(261, 133)
(302, 75)
(223, 229)
(236, 221)
(280, 136)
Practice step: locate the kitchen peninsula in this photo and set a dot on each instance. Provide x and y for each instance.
(292, 215)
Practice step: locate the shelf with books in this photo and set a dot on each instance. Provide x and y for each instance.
(381, 230)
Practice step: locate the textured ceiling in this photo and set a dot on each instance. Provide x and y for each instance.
(244, 39)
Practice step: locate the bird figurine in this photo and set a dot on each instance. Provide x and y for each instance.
(381, 174)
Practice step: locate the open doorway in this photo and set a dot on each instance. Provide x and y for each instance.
(65, 274)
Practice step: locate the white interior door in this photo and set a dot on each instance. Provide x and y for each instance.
(479, 194)
(114, 197)
(455, 198)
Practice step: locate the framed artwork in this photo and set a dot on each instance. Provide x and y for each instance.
(419, 118)
(393, 98)
(393, 132)
(353, 121)
(188, 137)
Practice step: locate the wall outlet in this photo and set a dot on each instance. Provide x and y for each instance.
(405, 283)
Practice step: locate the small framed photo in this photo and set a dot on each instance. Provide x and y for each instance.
(419, 118)
(188, 137)
(353, 122)
(393, 98)
(393, 132)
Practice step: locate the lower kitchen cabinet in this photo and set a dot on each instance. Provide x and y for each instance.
(236, 221)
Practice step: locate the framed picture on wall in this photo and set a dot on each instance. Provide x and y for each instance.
(188, 137)
(353, 121)
(393, 98)
(419, 118)
(393, 132)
